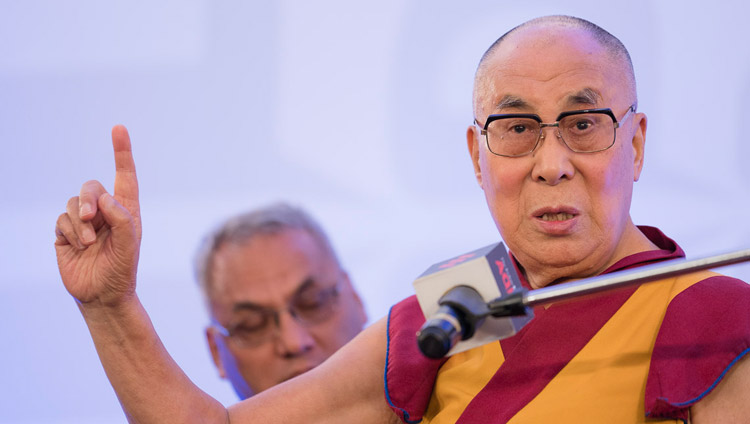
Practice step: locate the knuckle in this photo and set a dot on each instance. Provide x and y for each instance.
(71, 208)
(92, 183)
(62, 221)
(91, 188)
(73, 202)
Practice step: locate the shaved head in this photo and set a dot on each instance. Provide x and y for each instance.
(611, 44)
(544, 68)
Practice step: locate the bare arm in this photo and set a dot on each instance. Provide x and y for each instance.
(97, 245)
(150, 386)
(347, 388)
(729, 402)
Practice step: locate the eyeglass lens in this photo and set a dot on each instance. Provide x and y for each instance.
(254, 326)
(586, 132)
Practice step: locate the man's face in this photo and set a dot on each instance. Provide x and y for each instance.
(562, 214)
(270, 273)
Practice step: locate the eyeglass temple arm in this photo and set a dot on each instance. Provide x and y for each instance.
(631, 109)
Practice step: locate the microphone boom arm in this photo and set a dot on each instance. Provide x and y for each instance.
(515, 304)
(463, 310)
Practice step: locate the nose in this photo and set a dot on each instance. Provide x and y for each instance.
(552, 163)
(293, 339)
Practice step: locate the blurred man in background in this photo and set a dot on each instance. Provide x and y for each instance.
(280, 302)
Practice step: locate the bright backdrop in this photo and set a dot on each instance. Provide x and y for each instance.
(354, 110)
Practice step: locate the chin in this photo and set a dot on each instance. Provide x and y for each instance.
(557, 254)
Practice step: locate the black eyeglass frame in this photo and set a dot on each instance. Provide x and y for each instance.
(542, 125)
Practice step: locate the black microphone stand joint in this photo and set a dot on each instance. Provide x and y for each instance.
(510, 305)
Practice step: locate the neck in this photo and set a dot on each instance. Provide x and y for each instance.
(631, 242)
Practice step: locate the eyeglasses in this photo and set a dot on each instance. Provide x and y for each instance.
(583, 131)
(255, 325)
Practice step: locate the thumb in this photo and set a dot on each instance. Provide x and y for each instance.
(121, 223)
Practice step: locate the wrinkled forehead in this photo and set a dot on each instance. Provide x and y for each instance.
(550, 66)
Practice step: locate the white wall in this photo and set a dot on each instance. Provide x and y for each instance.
(355, 110)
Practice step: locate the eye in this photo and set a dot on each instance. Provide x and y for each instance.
(315, 299)
(310, 300)
(583, 125)
(518, 125)
(250, 323)
(513, 126)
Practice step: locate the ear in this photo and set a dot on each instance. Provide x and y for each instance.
(639, 143)
(357, 300)
(472, 142)
(213, 345)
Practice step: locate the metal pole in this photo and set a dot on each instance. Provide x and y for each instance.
(640, 275)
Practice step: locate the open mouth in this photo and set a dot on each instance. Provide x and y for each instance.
(560, 216)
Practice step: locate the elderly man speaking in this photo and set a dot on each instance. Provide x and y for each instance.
(556, 145)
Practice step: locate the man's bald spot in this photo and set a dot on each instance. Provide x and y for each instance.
(609, 42)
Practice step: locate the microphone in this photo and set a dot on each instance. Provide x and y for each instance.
(457, 313)
(462, 316)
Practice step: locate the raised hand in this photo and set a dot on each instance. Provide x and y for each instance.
(98, 237)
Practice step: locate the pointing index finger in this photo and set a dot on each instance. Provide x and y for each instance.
(126, 181)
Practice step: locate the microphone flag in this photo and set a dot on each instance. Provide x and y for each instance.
(487, 270)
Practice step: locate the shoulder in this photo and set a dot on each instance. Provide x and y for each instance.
(704, 334)
(705, 319)
(709, 299)
(409, 375)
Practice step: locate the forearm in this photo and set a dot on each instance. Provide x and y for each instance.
(150, 386)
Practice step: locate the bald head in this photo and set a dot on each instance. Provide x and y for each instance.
(563, 214)
(547, 30)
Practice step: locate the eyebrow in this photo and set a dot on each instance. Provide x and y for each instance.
(587, 96)
(511, 102)
(246, 305)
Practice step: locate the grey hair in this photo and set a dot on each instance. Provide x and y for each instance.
(268, 220)
(612, 44)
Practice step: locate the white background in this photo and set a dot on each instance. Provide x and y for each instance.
(355, 110)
